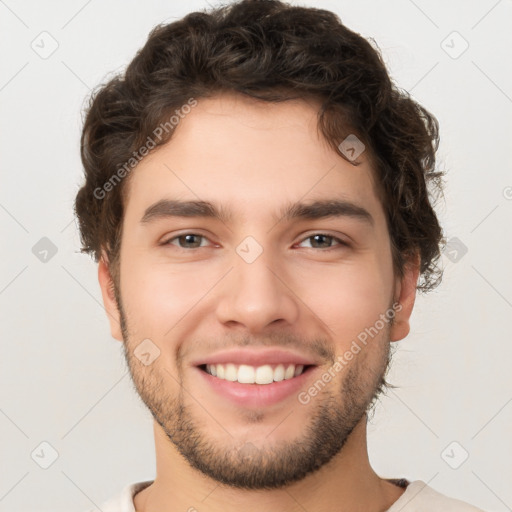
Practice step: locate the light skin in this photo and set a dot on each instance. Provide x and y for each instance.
(194, 296)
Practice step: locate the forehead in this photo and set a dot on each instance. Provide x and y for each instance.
(251, 155)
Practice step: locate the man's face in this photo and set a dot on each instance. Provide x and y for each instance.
(282, 288)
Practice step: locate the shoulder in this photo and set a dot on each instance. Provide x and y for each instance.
(420, 497)
(123, 501)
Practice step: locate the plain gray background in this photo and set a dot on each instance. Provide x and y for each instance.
(63, 380)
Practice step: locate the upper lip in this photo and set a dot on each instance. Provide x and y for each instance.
(255, 357)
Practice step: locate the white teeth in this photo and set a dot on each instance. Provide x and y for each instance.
(279, 373)
(298, 370)
(290, 371)
(245, 374)
(230, 373)
(264, 375)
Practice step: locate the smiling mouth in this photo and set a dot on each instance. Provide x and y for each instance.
(246, 374)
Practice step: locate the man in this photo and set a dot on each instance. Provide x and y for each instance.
(256, 197)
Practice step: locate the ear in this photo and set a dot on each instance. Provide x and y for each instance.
(405, 294)
(109, 300)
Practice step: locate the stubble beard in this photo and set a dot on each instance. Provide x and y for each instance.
(334, 413)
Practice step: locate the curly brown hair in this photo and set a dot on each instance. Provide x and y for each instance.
(275, 52)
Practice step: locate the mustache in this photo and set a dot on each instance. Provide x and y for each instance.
(317, 348)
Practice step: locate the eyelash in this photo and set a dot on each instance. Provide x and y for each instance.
(341, 243)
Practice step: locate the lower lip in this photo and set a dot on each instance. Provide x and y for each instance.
(257, 395)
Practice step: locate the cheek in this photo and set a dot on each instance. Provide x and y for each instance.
(348, 298)
(157, 295)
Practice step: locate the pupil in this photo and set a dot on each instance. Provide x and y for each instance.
(316, 237)
(189, 239)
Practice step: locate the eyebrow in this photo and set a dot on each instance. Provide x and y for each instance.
(320, 209)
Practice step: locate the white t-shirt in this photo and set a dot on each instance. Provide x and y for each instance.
(418, 497)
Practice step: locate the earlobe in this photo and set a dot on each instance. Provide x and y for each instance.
(406, 297)
(109, 299)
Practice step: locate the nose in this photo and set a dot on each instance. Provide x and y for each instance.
(255, 295)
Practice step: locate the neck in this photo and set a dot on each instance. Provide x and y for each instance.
(346, 483)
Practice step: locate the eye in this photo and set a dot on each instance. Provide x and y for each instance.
(322, 240)
(195, 241)
(186, 241)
